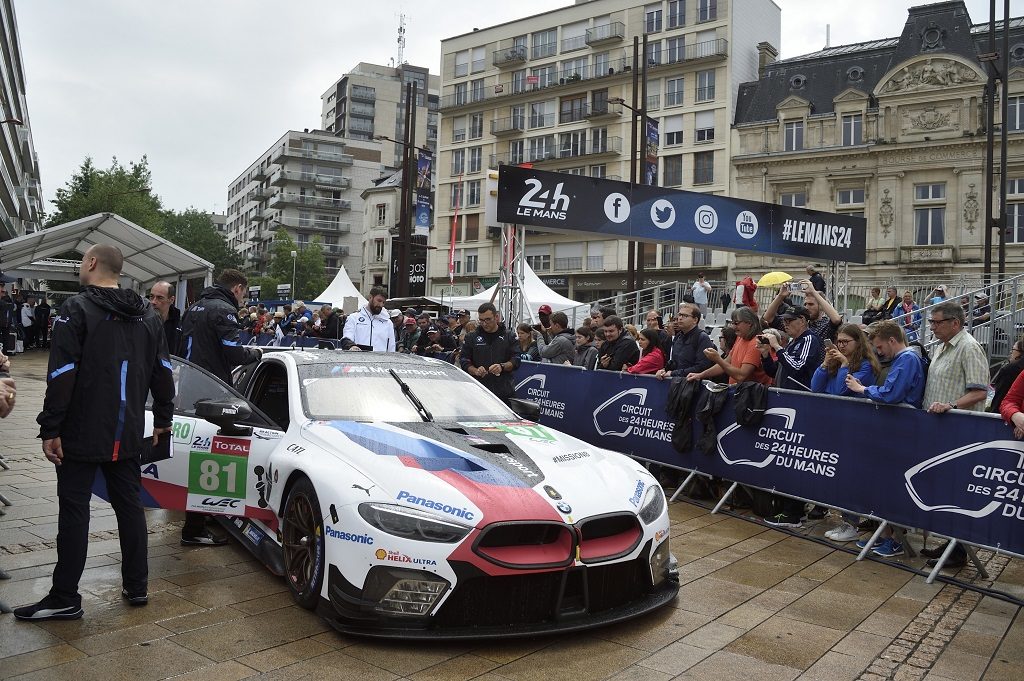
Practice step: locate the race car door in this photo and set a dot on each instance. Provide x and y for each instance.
(211, 472)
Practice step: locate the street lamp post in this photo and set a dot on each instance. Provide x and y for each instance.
(295, 255)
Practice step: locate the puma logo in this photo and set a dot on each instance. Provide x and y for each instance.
(365, 489)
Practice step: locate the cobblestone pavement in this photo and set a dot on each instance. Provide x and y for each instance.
(754, 604)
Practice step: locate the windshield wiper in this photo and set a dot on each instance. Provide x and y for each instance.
(407, 391)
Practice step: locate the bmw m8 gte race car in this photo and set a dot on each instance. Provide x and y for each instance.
(398, 497)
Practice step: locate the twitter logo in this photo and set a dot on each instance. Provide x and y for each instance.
(663, 214)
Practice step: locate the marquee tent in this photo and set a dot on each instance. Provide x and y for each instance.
(340, 289)
(535, 292)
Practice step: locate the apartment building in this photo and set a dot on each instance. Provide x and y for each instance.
(537, 91)
(892, 130)
(306, 182)
(21, 197)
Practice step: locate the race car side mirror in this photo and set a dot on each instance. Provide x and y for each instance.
(225, 414)
(526, 408)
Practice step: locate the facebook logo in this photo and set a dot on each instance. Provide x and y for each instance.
(616, 208)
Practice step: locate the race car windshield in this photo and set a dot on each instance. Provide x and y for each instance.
(370, 393)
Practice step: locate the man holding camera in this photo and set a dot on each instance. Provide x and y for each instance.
(823, 319)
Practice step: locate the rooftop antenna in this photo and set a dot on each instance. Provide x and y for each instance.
(828, 36)
(401, 39)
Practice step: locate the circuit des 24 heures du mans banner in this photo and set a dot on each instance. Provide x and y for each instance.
(561, 202)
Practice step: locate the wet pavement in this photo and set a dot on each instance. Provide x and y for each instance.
(754, 604)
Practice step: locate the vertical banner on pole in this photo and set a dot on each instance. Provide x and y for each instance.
(651, 153)
(424, 170)
(454, 237)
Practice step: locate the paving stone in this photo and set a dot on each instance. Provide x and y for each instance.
(786, 642)
(466, 667)
(38, 659)
(578, 659)
(675, 658)
(728, 666)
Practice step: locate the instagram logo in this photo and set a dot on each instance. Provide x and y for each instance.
(705, 219)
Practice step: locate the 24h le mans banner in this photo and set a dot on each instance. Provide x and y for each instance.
(578, 204)
(959, 474)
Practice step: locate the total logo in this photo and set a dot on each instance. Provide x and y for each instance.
(616, 208)
(234, 446)
(663, 214)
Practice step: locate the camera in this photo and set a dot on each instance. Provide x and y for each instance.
(763, 339)
(794, 286)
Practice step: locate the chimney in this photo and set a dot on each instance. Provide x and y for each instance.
(766, 54)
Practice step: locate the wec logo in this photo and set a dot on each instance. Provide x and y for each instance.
(553, 207)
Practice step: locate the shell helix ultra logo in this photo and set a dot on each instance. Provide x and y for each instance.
(989, 480)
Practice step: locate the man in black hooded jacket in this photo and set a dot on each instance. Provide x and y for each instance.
(108, 353)
(210, 338)
(488, 355)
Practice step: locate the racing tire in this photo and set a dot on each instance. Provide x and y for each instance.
(303, 544)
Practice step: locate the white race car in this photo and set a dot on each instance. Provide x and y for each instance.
(398, 497)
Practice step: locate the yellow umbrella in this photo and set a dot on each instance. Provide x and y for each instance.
(773, 279)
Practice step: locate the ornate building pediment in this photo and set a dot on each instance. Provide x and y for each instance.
(793, 103)
(929, 73)
(850, 94)
(931, 118)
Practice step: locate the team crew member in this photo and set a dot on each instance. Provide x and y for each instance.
(161, 297)
(489, 353)
(108, 353)
(371, 326)
(210, 339)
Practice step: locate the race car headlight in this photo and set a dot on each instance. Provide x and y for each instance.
(411, 523)
(654, 504)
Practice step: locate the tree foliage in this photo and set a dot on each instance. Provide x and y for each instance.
(310, 278)
(125, 191)
(194, 230)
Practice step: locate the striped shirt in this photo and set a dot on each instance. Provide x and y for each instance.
(957, 366)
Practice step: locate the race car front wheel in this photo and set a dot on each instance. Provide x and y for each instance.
(303, 532)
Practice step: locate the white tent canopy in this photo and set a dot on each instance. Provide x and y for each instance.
(535, 292)
(148, 258)
(340, 288)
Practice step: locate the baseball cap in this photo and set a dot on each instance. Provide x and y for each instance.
(544, 309)
(795, 312)
(433, 329)
(394, 313)
(299, 303)
(409, 321)
(462, 313)
(279, 314)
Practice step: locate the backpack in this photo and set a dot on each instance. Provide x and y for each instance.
(922, 354)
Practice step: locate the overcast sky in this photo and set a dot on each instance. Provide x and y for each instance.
(204, 86)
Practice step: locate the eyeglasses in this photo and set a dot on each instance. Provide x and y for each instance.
(840, 341)
(933, 322)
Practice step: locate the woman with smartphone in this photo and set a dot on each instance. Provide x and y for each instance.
(850, 354)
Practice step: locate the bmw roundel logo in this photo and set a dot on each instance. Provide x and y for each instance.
(563, 507)
(479, 339)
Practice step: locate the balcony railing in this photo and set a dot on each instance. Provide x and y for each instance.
(705, 94)
(509, 56)
(258, 215)
(260, 173)
(613, 32)
(544, 50)
(569, 263)
(319, 225)
(594, 147)
(320, 202)
(505, 126)
(285, 176)
(363, 94)
(575, 43)
(257, 194)
(334, 157)
(595, 263)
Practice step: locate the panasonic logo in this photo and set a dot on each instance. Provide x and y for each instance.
(348, 536)
(435, 505)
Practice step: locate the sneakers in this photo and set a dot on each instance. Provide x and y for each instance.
(843, 532)
(48, 609)
(816, 513)
(137, 600)
(888, 548)
(864, 542)
(783, 520)
(205, 539)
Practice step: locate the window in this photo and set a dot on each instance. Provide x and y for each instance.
(701, 257)
(676, 13)
(472, 227)
(573, 144)
(673, 91)
(470, 257)
(673, 130)
(601, 64)
(382, 214)
(542, 114)
(649, 253)
(519, 81)
(458, 162)
(538, 257)
(542, 148)
(476, 156)
(673, 171)
(569, 256)
(461, 94)
(599, 140)
(794, 199)
(929, 214)
(459, 129)
(670, 256)
(675, 52)
(652, 18)
(653, 52)
(378, 250)
(455, 198)
(473, 191)
(599, 101)
(705, 86)
(476, 126)
(581, 171)
(595, 256)
(545, 43)
(1015, 114)
(574, 36)
(704, 167)
(794, 136)
(572, 109)
(853, 129)
(704, 130)
(516, 153)
(476, 90)
(707, 10)
(598, 171)
(575, 69)
(545, 75)
(462, 63)
(478, 63)
(847, 197)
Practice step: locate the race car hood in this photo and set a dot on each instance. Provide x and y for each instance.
(487, 472)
